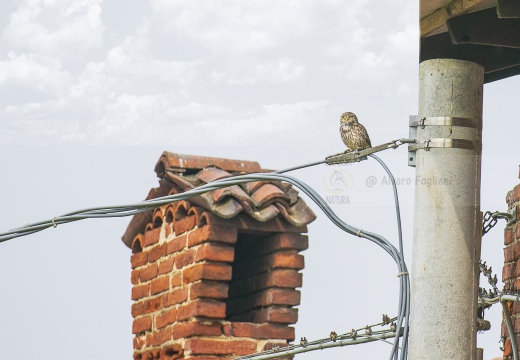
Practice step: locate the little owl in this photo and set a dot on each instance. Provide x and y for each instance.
(353, 134)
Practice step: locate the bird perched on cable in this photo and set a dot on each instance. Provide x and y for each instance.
(353, 134)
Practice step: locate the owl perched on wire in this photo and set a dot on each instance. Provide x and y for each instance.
(353, 134)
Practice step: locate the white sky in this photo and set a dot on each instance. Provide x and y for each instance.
(92, 91)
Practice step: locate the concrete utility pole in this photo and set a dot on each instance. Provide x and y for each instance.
(447, 222)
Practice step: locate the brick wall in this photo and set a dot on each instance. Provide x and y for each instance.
(511, 271)
(211, 288)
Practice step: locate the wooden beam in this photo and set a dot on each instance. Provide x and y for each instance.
(508, 8)
(485, 28)
(438, 18)
(498, 62)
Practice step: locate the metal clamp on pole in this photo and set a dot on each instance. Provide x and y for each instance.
(359, 155)
(442, 143)
(443, 121)
(416, 122)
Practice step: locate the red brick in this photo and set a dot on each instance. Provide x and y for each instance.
(146, 306)
(139, 342)
(516, 323)
(139, 259)
(160, 284)
(507, 348)
(156, 252)
(140, 291)
(508, 236)
(148, 273)
(176, 279)
(205, 271)
(276, 278)
(516, 308)
(282, 315)
(142, 325)
(165, 318)
(518, 231)
(134, 278)
(284, 297)
(176, 244)
(185, 258)
(176, 296)
(509, 253)
(153, 354)
(147, 354)
(172, 352)
(166, 266)
(151, 237)
(289, 297)
(285, 241)
(212, 233)
(516, 250)
(508, 271)
(517, 284)
(206, 308)
(215, 252)
(283, 259)
(270, 314)
(262, 331)
(137, 309)
(196, 328)
(209, 289)
(159, 337)
(220, 347)
(515, 270)
(516, 193)
(287, 261)
(185, 224)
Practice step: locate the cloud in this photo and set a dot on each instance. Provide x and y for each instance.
(60, 28)
(233, 26)
(274, 121)
(225, 70)
(33, 72)
(280, 70)
(406, 40)
(135, 57)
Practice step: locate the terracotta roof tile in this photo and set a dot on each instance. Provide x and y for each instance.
(263, 201)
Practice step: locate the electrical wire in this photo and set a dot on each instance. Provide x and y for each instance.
(334, 340)
(320, 345)
(132, 209)
(406, 301)
(503, 299)
(510, 330)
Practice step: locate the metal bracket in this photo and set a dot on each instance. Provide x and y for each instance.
(412, 134)
(442, 143)
(443, 121)
(509, 216)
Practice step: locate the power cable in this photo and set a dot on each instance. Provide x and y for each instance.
(354, 337)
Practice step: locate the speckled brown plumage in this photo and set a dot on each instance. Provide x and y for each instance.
(353, 134)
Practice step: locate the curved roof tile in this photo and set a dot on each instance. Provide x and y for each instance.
(262, 201)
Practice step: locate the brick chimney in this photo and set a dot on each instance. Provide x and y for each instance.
(215, 277)
(511, 270)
